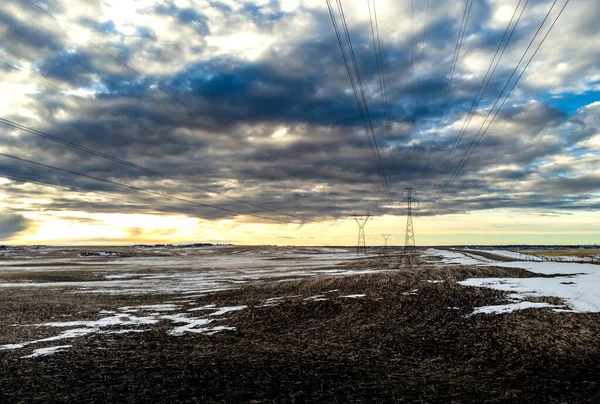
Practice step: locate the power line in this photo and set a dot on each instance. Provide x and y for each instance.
(380, 73)
(373, 144)
(423, 40)
(459, 40)
(475, 141)
(131, 165)
(413, 119)
(412, 70)
(385, 96)
(483, 86)
(107, 181)
(47, 83)
(412, 48)
(62, 91)
(372, 139)
(122, 118)
(87, 192)
(477, 138)
(355, 82)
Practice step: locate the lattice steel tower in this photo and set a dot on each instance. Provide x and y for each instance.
(409, 240)
(361, 220)
(385, 238)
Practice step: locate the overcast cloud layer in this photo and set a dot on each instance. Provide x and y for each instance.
(250, 100)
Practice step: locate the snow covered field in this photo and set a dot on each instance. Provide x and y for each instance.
(175, 279)
(172, 270)
(578, 285)
(147, 323)
(182, 274)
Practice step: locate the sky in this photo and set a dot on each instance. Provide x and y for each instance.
(125, 122)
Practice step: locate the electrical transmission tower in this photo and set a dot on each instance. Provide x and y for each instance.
(409, 240)
(361, 220)
(385, 238)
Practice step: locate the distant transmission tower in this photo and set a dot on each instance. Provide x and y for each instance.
(361, 220)
(385, 238)
(409, 240)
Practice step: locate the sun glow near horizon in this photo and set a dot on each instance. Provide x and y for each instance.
(509, 227)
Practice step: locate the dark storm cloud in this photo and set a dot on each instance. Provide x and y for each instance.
(269, 90)
(73, 68)
(184, 16)
(21, 37)
(101, 27)
(11, 224)
(244, 92)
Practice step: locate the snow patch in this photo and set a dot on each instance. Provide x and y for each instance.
(578, 285)
(451, 257)
(208, 331)
(509, 308)
(11, 346)
(337, 272)
(224, 310)
(316, 298)
(48, 351)
(124, 318)
(115, 320)
(508, 254)
(125, 276)
(206, 307)
(151, 307)
(193, 325)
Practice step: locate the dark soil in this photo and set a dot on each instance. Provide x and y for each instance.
(393, 345)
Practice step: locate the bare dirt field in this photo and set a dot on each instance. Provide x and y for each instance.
(263, 324)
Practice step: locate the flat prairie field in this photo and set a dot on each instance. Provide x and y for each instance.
(293, 325)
